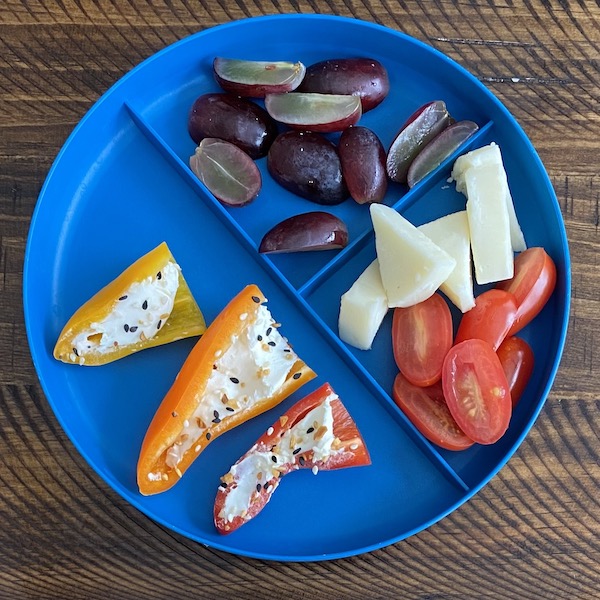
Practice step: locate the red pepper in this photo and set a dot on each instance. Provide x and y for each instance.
(300, 439)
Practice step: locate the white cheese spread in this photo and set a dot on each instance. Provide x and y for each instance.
(254, 367)
(313, 436)
(137, 315)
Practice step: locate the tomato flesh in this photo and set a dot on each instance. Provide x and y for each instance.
(476, 391)
(428, 412)
(421, 337)
(490, 319)
(532, 285)
(516, 358)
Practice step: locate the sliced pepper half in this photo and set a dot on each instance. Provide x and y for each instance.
(148, 304)
(317, 433)
(241, 367)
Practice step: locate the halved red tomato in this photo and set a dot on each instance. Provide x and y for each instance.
(532, 285)
(476, 391)
(421, 338)
(490, 319)
(428, 412)
(516, 357)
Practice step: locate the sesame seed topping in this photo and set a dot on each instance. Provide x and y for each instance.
(186, 423)
(296, 450)
(268, 332)
(159, 275)
(234, 380)
(133, 329)
(75, 352)
(315, 470)
(215, 413)
(243, 316)
(230, 408)
(158, 324)
(216, 420)
(126, 327)
(310, 430)
(270, 431)
(208, 436)
(286, 350)
(218, 353)
(353, 446)
(145, 305)
(223, 484)
(296, 375)
(272, 344)
(197, 448)
(174, 414)
(256, 299)
(123, 297)
(179, 473)
(259, 338)
(273, 458)
(258, 487)
(301, 461)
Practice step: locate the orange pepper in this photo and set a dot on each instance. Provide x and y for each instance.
(185, 319)
(177, 429)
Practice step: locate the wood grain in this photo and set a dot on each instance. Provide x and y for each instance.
(533, 532)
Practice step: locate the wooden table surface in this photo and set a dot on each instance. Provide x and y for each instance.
(533, 532)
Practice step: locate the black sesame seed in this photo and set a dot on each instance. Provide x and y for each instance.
(159, 324)
(258, 487)
(296, 450)
(126, 327)
(259, 338)
(145, 304)
(310, 430)
(159, 275)
(286, 350)
(215, 367)
(223, 484)
(274, 458)
(216, 420)
(267, 485)
(230, 408)
(215, 414)
(272, 344)
(123, 297)
(174, 414)
(256, 299)
(75, 352)
(301, 461)
(133, 329)
(208, 436)
(268, 332)
(296, 375)
(234, 380)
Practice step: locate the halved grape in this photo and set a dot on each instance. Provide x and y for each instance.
(440, 148)
(420, 128)
(307, 164)
(233, 119)
(363, 164)
(314, 112)
(227, 171)
(306, 232)
(255, 79)
(363, 77)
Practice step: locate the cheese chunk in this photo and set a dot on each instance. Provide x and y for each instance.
(412, 267)
(487, 155)
(451, 233)
(363, 308)
(488, 224)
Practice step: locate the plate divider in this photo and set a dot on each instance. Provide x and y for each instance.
(297, 296)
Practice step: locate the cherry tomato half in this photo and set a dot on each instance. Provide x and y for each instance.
(516, 358)
(421, 338)
(490, 319)
(428, 412)
(533, 282)
(476, 391)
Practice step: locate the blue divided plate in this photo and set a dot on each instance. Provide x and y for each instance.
(121, 185)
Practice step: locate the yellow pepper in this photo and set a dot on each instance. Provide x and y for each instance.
(148, 304)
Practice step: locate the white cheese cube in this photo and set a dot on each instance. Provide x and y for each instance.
(488, 224)
(451, 233)
(487, 155)
(412, 267)
(363, 308)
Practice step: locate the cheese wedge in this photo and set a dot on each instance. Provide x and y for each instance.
(489, 224)
(363, 308)
(486, 155)
(412, 267)
(451, 233)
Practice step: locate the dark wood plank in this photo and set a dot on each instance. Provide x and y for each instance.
(531, 533)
